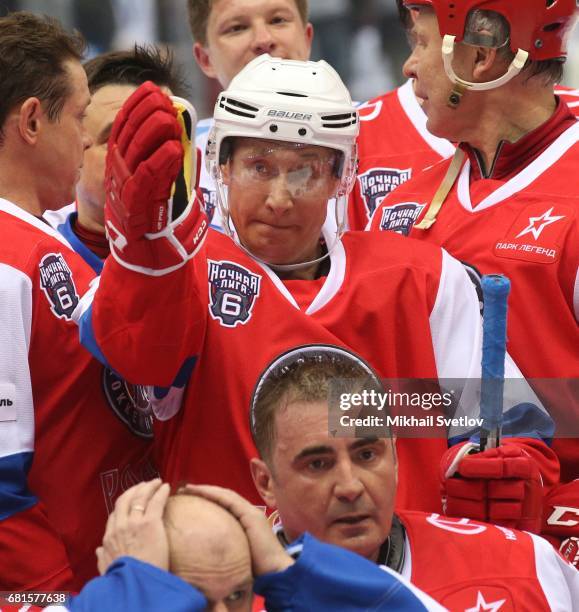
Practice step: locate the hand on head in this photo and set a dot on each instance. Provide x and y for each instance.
(267, 554)
(209, 536)
(135, 528)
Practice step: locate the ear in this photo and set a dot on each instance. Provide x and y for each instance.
(226, 173)
(30, 119)
(263, 480)
(201, 55)
(309, 36)
(334, 188)
(485, 67)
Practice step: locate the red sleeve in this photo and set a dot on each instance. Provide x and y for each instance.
(33, 555)
(146, 327)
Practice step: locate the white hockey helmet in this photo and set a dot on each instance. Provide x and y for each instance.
(290, 101)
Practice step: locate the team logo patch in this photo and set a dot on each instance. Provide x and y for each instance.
(570, 551)
(58, 286)
(377, 183)
(537, 233)
(232, 292)
(479, 599)
(401, 217)
(130, 403)
(210, 201)
(463, 526)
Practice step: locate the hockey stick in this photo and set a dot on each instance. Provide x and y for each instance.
(496, 289)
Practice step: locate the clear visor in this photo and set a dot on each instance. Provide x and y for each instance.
(274, 169)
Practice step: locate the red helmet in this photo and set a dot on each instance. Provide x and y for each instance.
(537, 26)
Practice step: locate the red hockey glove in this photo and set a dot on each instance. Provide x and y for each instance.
(561, 520)
(153, 218)
(501, 485)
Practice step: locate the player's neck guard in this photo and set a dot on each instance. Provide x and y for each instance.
(391, 553)
(460, 85)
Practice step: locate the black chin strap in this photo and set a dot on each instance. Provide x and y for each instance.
(391, 553)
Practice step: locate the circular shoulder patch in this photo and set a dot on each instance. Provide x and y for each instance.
(130, 403)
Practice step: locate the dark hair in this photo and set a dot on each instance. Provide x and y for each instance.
(134, 67)
(309, 373)
(199, 11)
(33, 50)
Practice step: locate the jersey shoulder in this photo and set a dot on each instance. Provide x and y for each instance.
(33, 246)
(402, 207)
(483, 564)
(570, 96)
(59, 217)
(385, 250)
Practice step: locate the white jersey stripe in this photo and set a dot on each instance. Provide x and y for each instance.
(16, 407)
(559, 580)
(418, 118)
(524, 178)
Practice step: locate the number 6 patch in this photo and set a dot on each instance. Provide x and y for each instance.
(58, 286)
(232, 292)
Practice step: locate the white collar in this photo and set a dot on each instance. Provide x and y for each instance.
(523, 179)
(418, 118)
(331, 285)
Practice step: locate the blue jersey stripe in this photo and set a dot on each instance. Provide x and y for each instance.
(14, 493)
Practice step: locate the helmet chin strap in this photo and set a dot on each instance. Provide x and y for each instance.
(460, 85)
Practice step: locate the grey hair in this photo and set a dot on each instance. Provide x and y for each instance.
(487, 29)
(491, 29)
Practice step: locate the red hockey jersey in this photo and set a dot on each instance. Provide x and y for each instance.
(393, 146)
(526, 227)
(412, 313)
(570, 96)
(470, 566)
(70, 439)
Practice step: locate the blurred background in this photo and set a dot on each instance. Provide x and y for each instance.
(362, 39)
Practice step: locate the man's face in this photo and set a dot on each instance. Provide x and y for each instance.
(228, 587)
(341, 490)
(240, 30)
(277, 195)
(63, 142)
(100, 115)
(431, 84)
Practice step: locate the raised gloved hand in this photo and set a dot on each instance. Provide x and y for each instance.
(154, 219)
(561, 520)
(501, 485)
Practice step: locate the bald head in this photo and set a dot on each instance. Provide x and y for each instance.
(209, 549)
